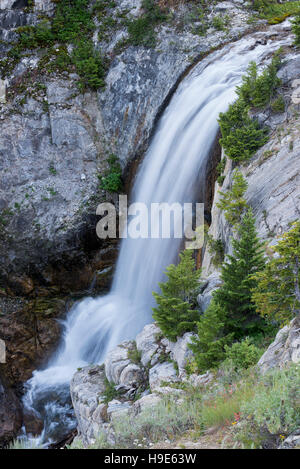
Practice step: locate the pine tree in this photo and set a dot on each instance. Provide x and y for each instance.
(174, 314)
(233, 202)
(277, 292)
(234, 296)
(209, 344)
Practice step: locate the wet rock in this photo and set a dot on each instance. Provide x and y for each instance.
(22, 285)
(32, 423)
(10, 413)
(31, 332)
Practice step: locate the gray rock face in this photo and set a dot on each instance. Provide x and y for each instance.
(147, 343)
(160, 373)
(213, 282)
(52, 147)
(180, 351)
(87, 389)
(285, 348)
(120, 370)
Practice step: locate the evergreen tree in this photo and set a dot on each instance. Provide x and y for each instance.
(174, 314)
(209, 344)
(234, 296)
(277, 291)
(232, 202)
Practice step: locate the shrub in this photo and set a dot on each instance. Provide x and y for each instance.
(220, 170)
(274, 409)
(241, 136)
(89, 65)
(225, 407)
(110, 392)
(134, 355)
(258, 90)
(243, 354)
(232, 202)
(278, 105)
(141, 30)
(276, 293)
(296, 29)
(209, 344)
(174, 313)
(216, 249)
(112, 181)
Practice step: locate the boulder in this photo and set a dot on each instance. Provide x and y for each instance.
(117, 408)
(199, 380)
(162, 372)
(180, 351)
(120, 370)
(87, 388)
(145, 402)
(147, 343)
(285, 348)
(213, 282)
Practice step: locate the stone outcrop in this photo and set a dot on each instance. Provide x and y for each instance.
(134, 386)
(54, 140)
(284, 350)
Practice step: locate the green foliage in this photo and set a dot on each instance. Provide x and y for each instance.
(216, 249)
(110, 392)
(274, 11)
(134, 355)
(173, 313)
(72, 20)
(71, 23)
(209, 344)
(296, 29)
(232, 202)
(112, 181)
(241, 135)
(276, 293)
(278, 105)
(274, 409)
(258, 90)
(235, 296)
(243, 354)
(141, 30)
(89, 65)
(220, 170)
(220, 22)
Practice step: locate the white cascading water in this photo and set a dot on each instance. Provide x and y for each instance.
(173, 170)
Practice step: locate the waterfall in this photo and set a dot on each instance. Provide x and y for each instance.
(173, 170)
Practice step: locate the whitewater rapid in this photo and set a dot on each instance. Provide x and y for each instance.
(173, 170)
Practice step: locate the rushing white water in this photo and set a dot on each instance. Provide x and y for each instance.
(172, 171)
